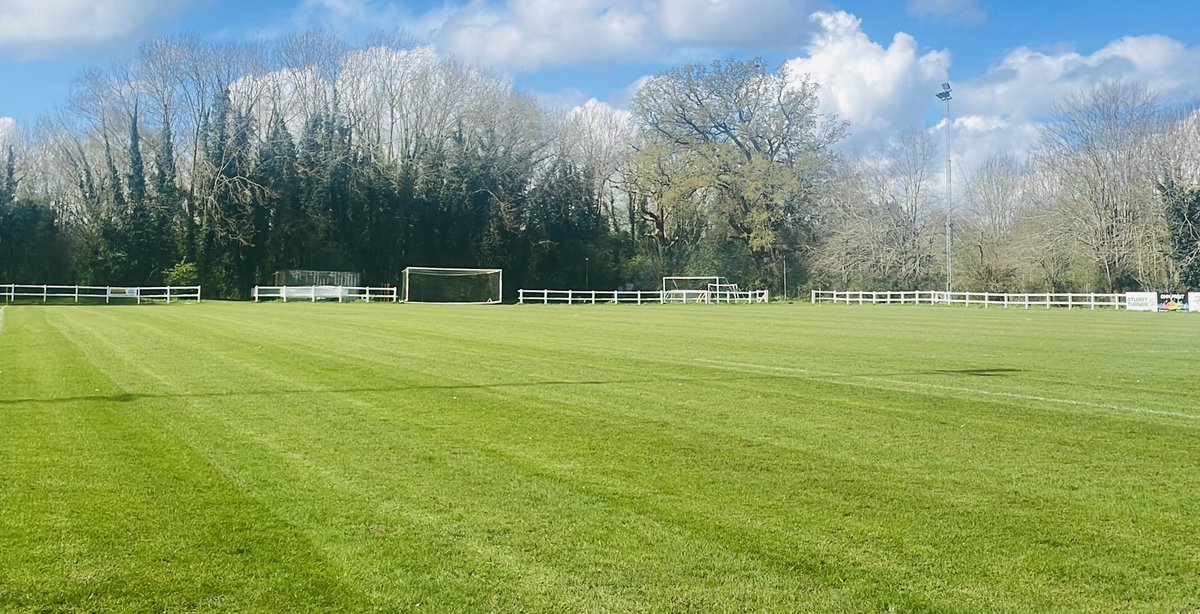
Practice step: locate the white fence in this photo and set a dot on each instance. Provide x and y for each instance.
(14, 293)
(313, 294)
(638, 297)
(984, 299)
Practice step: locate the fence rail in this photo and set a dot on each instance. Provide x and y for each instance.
(984, 299)
(638, 297)
(13, 293)
(313, 294)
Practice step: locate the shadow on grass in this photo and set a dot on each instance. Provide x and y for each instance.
(130, 397)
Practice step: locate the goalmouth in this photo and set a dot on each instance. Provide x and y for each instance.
(452, 286)
(707, 289)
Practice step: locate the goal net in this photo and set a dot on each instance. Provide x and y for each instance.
(442, 285)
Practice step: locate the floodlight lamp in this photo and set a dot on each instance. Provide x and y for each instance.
(944, 96)
(945, 87)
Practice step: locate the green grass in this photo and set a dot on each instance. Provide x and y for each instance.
(271, 457)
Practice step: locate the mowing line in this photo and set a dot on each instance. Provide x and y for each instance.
(907, 385)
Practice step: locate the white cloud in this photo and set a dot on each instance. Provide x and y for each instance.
(31, 28)
(753, 23)
(530, 34)
(880, 90)
(1026, 84)
(955, 12)
(883, 90)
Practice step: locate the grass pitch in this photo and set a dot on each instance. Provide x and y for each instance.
(243, 457)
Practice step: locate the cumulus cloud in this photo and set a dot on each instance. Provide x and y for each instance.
(954, 12)
(884, 89)
(530, 34)
(1026, 83)
(32, 28)
(880, 90)
(756, 23)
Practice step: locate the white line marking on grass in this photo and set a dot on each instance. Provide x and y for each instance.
(908, 385)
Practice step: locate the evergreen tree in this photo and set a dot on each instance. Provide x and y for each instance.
(169, 217)
(1183, 223)
(142, 237)
(279, 218)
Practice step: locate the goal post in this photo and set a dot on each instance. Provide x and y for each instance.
(453, 286)
(690, 288)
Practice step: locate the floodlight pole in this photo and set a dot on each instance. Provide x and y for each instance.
(587, 273)
(944, 96)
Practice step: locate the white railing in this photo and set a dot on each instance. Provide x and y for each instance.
(638, 297)
(13, 293)
(983, 299)
(341, 294)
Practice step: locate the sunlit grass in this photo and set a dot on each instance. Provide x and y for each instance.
(299, 457)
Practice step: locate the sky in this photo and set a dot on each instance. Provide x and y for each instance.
(879, 62)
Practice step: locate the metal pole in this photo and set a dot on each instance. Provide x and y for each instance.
(785, 277)
(949, 199)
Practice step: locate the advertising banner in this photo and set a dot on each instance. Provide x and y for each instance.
(1141, 301)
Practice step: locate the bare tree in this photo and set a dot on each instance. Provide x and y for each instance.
(991, 209)
(1099, 147)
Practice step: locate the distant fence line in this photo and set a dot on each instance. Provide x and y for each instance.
(1145, 301)
(13, 293)
(313, 294)
(639, 297)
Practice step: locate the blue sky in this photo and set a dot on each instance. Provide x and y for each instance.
(879, 61)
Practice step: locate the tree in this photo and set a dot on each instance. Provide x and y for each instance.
(8, 177)
(1183, 224)
(992, 208)
(1098, 145)
(755, 145)
(877, 220)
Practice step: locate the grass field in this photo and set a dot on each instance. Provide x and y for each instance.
(271, 457)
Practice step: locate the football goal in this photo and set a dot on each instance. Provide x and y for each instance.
(694, 289)
(443, 285)
(708, 289)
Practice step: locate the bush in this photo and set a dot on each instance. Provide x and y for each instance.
(182, 274)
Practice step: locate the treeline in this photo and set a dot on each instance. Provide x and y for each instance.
(200, 164)
(221, 164)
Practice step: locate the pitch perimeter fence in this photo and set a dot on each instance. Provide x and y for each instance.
(341, 294)
(17, 293)
(1142, 301)
(638, 297)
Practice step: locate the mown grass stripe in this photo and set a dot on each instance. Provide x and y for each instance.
(590, 458)
(912, 386)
